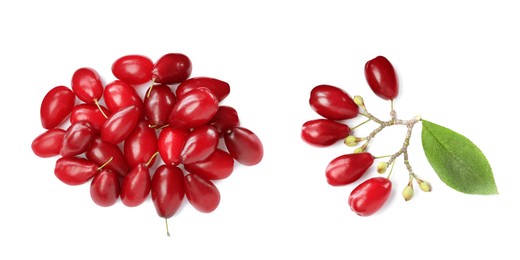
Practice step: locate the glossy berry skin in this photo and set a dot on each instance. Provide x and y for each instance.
(332, 103)
(87, 85)
(219, 165)
(348, 168)
(56, 106)
(133, 69)
(100, 152)
(140, 145)
(225, 118)
(167, 190)
(119, 95)
(75, 171)
(370, 196)
(170, 144)
(323, 132)
(202, 194)
(219, 88)
(136, 186)
(171, 68)
(158, 104)
(200, 144)
(120, 125)
(77, 139)
(244, 146)
(104, 188)
(382, 78)
(48, 144)
(195, 108)
(91, 114)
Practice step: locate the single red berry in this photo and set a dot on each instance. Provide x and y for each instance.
(381, 78)
(133, 69)
(219, 165)
(87, 85)
(119, 95)
(171, 68)
(140, 145)
(56, 106)
(158, 104)
(323, 132)
(200, 144)
(120, 125)
(348, 168)
(104, 188)
(91, 114)
(48, 144)
(170, 144)
(75, 171)
(202, 194)
(332, 103)
(219, 88)
(370, 196)
(136, 186)
(225, 118)
(167, 190)
(100, 152)
(244, 146)
(77, 139)
(194, 109)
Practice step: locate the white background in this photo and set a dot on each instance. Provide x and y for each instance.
(458, 67)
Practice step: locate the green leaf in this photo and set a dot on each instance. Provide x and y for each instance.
(458, 161)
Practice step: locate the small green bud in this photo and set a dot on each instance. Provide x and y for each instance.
(359, 150)
(359, 101)
(381, 167)
(408, 192)
(425, 186)
(351, 140)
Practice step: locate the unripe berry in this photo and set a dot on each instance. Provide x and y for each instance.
(351, 140)
(408, 192)
(359, 150)
(381, 167)
(359, 101)
(424, 185)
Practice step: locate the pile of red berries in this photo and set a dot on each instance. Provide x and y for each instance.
(336, 105)
(178, 118)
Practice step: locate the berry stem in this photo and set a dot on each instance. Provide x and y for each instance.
(391, 170)
(150, 89)
(167, 229)
(151, 159)
(99, 107)
(366, 121)
(105, 164)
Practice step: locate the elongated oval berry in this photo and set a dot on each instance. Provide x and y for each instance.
(120, 125)
(170, 143)
(158, 104)
(219, 165)
(244, 146)
(136, 186)
(74, 171)
(87, 85)
(133, 69)
(56, 106)
(140, 145)
(167, 190)
(100, 152)
(171, 68)
(381, 78)
(202, 194)
(91, 114)
(119, 95)
(201, 143)
(348, 168)
(48, 144)
(332, 103)
(225, 118)
(219, 88)
(77, 139)
(323, 132)
(104, 188)
(195, 108)
(369, 196)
